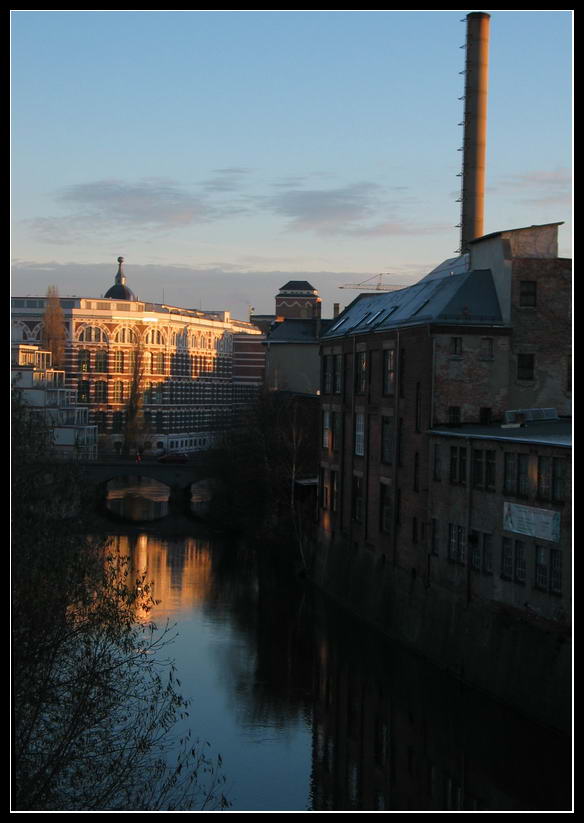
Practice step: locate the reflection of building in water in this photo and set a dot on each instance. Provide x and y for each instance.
(179, 570)
(402, 735)
(137, 498)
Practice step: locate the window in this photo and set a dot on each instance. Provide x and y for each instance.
(556, 571)
(477, 468)
(101, 361)
(435, 538)
(522, 475)
(326, 429)
(336, 430)
(158, 363)
(437, 463)
(101, 391)
(387, 440)
(119, 361)
(527, 293)
(487, 351)
(507, 558)
(357, 499)
(338, 374)
(520, 562)
(361, 373)
(488, 553)
(101, 422)
(456, 346)
(475, 550)
(454, 416)
(327, 374)
(490, 470)
(510, 474)
(125, 335)
(485, 416)
(559, 479)
(458, 464)
(416, 472)
(418, 407)
(360, 434)
(91, 334)
(389, 371)
(385, 509)
(525, 366)
(456, 547)
(544, 477)
(334, 490)
(117, 422)
(541, 568)
(83, 391)
(118, 392)
(84, 360)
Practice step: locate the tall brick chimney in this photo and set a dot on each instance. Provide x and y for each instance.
(475, 127)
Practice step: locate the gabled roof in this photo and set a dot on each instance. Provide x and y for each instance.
(449, 294)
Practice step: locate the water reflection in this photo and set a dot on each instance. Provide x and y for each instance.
(313, 711)
(137, 498)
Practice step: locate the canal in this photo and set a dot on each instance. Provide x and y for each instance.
(311, 710)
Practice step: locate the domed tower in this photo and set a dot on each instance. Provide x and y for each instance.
(119, 291)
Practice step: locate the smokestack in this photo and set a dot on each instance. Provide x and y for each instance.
(475, 127)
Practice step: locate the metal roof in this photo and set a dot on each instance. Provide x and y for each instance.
(294, 330)
(449, 294)
(543, 433)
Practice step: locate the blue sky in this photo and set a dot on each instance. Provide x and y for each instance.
(222, 151)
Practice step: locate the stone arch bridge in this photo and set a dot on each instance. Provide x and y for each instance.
(177, 476)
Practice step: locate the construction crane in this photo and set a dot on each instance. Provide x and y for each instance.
(379, 285)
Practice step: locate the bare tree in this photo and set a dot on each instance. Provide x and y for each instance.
(53, 334)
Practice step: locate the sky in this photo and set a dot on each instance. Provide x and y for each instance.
(223, 153)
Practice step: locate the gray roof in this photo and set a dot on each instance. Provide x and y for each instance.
(297, 285)
(449, 294)
(292, 330)
(549, 433)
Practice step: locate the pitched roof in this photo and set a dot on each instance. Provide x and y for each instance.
(446, 295)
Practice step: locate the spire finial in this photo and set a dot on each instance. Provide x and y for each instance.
(120, 276)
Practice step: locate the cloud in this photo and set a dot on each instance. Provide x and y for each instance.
(153, 202)
(540, 188)
(225, 180)
(326, 211)
(357, 210)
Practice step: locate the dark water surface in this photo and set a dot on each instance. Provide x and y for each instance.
(312, 710)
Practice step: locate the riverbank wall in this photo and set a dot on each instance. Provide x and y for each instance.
(521, 660)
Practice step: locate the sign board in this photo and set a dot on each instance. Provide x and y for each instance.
(540, 523)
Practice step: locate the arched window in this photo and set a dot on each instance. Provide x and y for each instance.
(101, 360)
(154, 337)
(147, 362)
(125, 335)
(84, 360)
(92, 334)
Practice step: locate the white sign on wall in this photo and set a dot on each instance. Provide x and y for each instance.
(541, 523)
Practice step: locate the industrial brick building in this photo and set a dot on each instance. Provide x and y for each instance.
(435, 368)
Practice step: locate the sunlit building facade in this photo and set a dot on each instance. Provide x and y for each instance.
(182, 360)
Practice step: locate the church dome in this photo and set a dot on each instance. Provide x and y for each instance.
(119, 291)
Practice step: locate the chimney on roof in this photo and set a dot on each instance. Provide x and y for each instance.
(475, 127)
(336, 309)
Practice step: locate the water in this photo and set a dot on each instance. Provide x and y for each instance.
(311, 710)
